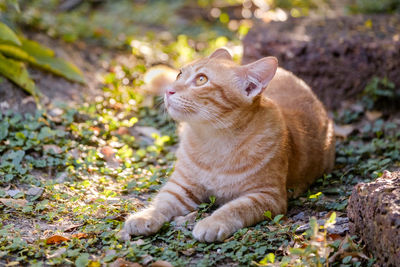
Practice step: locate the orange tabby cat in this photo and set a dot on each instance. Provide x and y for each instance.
(251, 135)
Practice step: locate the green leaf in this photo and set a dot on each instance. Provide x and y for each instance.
(296, 251)
(82, 260)
(15, 52)
(270, 258)
(60, 67)
(3, 130)
(35, 49)
(8, 36)
(347, 259)
(278, 218)
(332, 219)
(17, 73)
(15, 156)
(44, 58)
(268, 214)
(15, 5)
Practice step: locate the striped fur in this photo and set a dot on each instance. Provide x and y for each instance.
(245, 147)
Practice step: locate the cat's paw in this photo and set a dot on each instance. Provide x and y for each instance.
(144, 223)
(211, 230)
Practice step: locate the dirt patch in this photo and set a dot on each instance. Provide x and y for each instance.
(337, 57)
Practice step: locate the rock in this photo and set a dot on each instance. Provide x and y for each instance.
(35, 191)
(301, 216)
(13, 192)
(374, 214)
(337, 56)
(340, 227)
(61, 177)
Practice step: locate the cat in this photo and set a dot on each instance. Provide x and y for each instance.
(251, 136)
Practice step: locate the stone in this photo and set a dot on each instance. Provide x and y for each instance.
(35, 191)
(374, 216)
(337, 56)
(13, 192)
(340, 227)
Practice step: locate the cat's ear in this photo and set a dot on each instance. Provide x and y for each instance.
(221, 53)
(257, 75)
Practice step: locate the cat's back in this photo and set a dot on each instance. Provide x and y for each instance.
(296, 99)
(289, 91)
(311, 139)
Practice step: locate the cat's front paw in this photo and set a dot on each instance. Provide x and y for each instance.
(145, 223)
(211, 230)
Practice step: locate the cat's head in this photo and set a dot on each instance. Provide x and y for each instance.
(210, 88)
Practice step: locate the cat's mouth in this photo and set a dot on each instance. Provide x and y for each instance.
(171, 106)
(176, 110)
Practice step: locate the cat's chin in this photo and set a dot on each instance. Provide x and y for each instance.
(176, 114)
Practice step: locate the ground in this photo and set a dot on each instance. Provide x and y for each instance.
(72, 172)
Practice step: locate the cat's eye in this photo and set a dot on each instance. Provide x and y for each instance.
(201, 79)
(179, 75)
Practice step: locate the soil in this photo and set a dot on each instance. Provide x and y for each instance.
(337, 56)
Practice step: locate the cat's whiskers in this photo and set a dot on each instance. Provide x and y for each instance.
(221, 125)
(209, 114)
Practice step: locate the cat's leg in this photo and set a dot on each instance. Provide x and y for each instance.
(241, 212)
(178, 197)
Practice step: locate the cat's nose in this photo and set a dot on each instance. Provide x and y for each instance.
(170, 91)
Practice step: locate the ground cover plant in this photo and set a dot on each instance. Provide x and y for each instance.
(67, 183)
(70, 174)
(14, 50)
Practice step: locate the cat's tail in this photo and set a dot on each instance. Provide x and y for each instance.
(157, 78)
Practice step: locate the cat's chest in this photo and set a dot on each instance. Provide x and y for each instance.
(218, 173)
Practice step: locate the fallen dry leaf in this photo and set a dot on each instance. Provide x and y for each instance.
(57, 253)
(373, 115)
(161, 264)
(122, 130)
(343, 130)
(108, 152)
(335, 236)
(120, 262)
(80, 235)
(109, 156)
(56, 239)
(188, 252)
(72, 227)
(138, 242)
(13, 263)
(13, 203)
(95, 129)
(48, 148)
